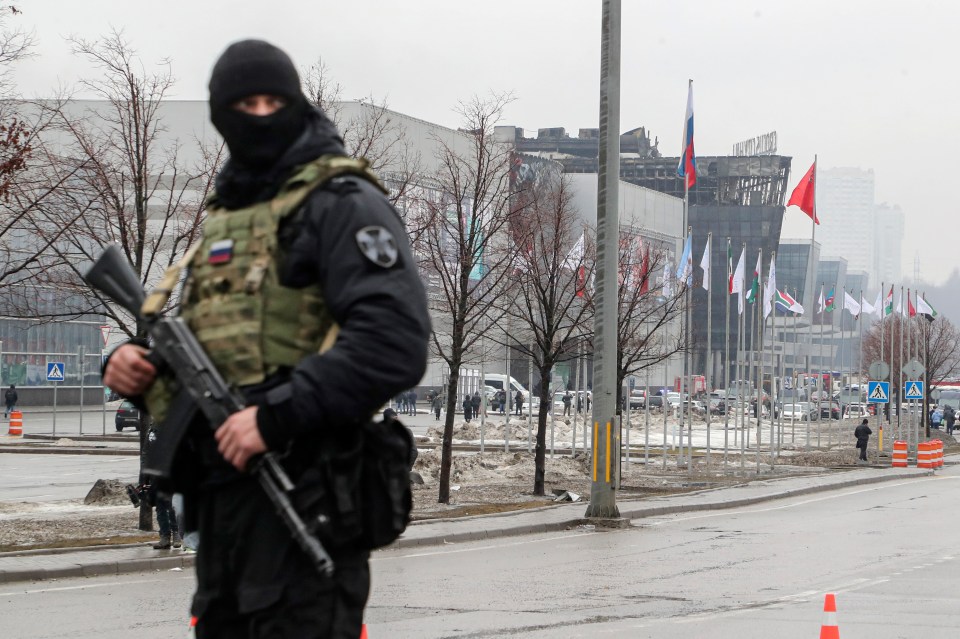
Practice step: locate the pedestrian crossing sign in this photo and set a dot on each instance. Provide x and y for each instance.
(913, 390)
(54, 371)
(878, 392)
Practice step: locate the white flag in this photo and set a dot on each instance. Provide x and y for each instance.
(685, 266)
(770, 292)
(574, 259)
(900, 309)
(878, 305)
(851, 304)
(820, 301)
(865, 307)
(738, 280)
(705, 265)
(667, 289)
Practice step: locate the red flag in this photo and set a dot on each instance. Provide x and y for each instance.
(645, 271)
(803, 195)
(910, 307)
(581, 280)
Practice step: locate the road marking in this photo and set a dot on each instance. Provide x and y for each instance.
(83, 587)
(475, 548)
(744, 509)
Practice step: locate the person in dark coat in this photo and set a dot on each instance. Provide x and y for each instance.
(437, 405)
(467, 408)
(518, 403)
(862, 433)
(950, 417)
(475, 403)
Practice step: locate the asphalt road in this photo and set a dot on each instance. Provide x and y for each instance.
(886, 551)
(50, 477)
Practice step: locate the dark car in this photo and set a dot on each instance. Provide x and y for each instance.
(829, 410)
(127, 415)
(656, 401)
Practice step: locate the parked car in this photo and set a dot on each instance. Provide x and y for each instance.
(800, 411)
(638, 399)
(674, 399)
(656, 401)
(856, 411)
(696, 407)
(127, 415)
(829, 410)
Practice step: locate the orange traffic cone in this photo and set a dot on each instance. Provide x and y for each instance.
(830, 629)
(363, 631)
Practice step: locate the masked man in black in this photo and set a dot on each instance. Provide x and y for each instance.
(299, 246)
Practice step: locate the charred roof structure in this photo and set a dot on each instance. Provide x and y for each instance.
(737, 197)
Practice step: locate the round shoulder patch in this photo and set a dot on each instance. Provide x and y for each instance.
(378, 245)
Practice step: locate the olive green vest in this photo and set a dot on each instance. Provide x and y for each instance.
(246, 320)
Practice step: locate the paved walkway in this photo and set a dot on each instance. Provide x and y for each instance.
(40, 565)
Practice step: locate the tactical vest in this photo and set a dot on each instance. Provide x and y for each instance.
(246, 320)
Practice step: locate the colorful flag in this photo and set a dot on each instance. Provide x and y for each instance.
(784, 299)
(685, 265)
(804, 195)
(705, 265)
(755, 285)
(771, 289)
(687, 168)
(829, 302)
(924, 308)
(851, 304)
(910, 308)
(737, 285)
(888, 304)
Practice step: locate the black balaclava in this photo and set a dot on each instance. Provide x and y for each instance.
(252, 67)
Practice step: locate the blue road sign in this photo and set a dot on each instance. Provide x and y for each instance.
(913, 390)
(878, 392)
(632, 381)
(54, 371)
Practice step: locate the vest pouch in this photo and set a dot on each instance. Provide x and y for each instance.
(385, 489)
(328, 498)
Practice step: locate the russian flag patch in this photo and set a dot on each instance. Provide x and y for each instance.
(221, 252)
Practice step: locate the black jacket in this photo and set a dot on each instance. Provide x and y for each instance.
(862, 433)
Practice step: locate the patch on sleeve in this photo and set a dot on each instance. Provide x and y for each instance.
(378, 245)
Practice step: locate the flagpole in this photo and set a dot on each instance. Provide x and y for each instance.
(793, 372)
(900, 367)
(756, 348)
(761, 321)
(823, 313)
(726, 364)
(689, 355)
(889, 421)
(708, 373)
(813, 277)
(741, 366)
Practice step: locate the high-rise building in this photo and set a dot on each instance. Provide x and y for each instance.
(845, 202)
(888, 240)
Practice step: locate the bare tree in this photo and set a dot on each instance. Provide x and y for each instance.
(117, 165)
(466, 247)
(376, 134)
(645, 311)
(117, 176)
(552, 304)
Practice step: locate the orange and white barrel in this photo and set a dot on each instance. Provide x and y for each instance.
(899, 459)
(923, 455)
(16, 423)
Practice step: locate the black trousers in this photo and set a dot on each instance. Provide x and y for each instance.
(254, 582)
(863, 453)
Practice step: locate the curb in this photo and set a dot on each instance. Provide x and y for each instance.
(636, 513)
(97, 568)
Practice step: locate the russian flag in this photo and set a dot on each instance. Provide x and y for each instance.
(688, 161)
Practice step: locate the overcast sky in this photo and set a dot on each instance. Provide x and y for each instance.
(861, 83)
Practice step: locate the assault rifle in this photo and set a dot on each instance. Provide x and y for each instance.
(201, 389)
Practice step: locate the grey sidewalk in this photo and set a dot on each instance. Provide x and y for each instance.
(40, 565)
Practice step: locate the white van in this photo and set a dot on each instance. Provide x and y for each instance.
(498, 380)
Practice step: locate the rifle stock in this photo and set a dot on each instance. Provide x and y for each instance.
(202, 389)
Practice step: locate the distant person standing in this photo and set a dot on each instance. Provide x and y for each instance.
(467, 408)
(10, 397)
(950, 417)
(518, 402)
(437, 405)
(862, 433)
(567, 400)
(476, 403)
